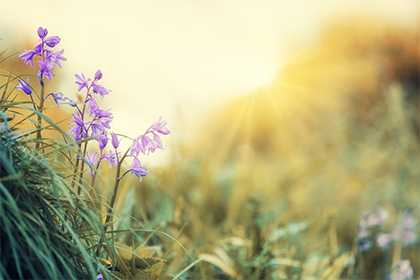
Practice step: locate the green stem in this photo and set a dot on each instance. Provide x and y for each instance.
(40, 108)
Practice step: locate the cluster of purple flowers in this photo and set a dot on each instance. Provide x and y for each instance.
(402, 270)
(49, 59)
(404, 232)
(98, 125)
(90, 120)
(373, 217)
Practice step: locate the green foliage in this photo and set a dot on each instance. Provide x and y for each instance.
(47, 231)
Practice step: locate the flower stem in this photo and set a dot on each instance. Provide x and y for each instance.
(40, 108)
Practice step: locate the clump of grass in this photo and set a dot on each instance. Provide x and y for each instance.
(47, 232)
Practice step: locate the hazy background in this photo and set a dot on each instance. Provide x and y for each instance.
(178, 59)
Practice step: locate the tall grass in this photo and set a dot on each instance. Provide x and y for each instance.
(47, 232)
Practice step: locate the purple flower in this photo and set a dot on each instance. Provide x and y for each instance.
(104, 118)
(103, 141)
(78, 129)
(114, 140)
(42, 32)
(56, 56)
(96, 128)
(137, 169)
(38, 49)
(52, 41)
(46, 68)
(365, 244)
(82, 82)
(98, 75)
(99, 277)
(407, 220)
(384, 240)
(91, 161)
(147, 145)
(58, 96)
(135, 148)
(363, 233)
(112, 158)
(24, 86)
(406, 237)
(157, 141)
(373, 217)
(28, 56)
(402, 270)
(102, 91)
(159, 127)
(71, 102)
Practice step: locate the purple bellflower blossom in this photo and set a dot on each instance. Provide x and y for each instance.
(24, 86)
(160, 127)
(144, 143)
(137, 169)
(91, 161)
(28, 56)
(52, 41)
(49, 58)
(103, 141)
(42, 32)
(101, 90)
(111, 158)
(114, 140)
(79, 128)
(82, 82)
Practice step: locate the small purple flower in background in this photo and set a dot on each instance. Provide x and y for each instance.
(137, 169)
(406, 237)
(24, 86)
(408, 221)
(99, 277)
(373, 217)
(403, 232)
(402, 270)
(365, 244)
(384, 240)
(363, 233)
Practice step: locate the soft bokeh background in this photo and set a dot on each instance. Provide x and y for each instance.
(178, 59)
(288, 121)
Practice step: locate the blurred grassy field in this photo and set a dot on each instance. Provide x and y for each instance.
(336, 133)
(272, 185)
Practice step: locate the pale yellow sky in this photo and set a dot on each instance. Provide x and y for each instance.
(178, 58)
